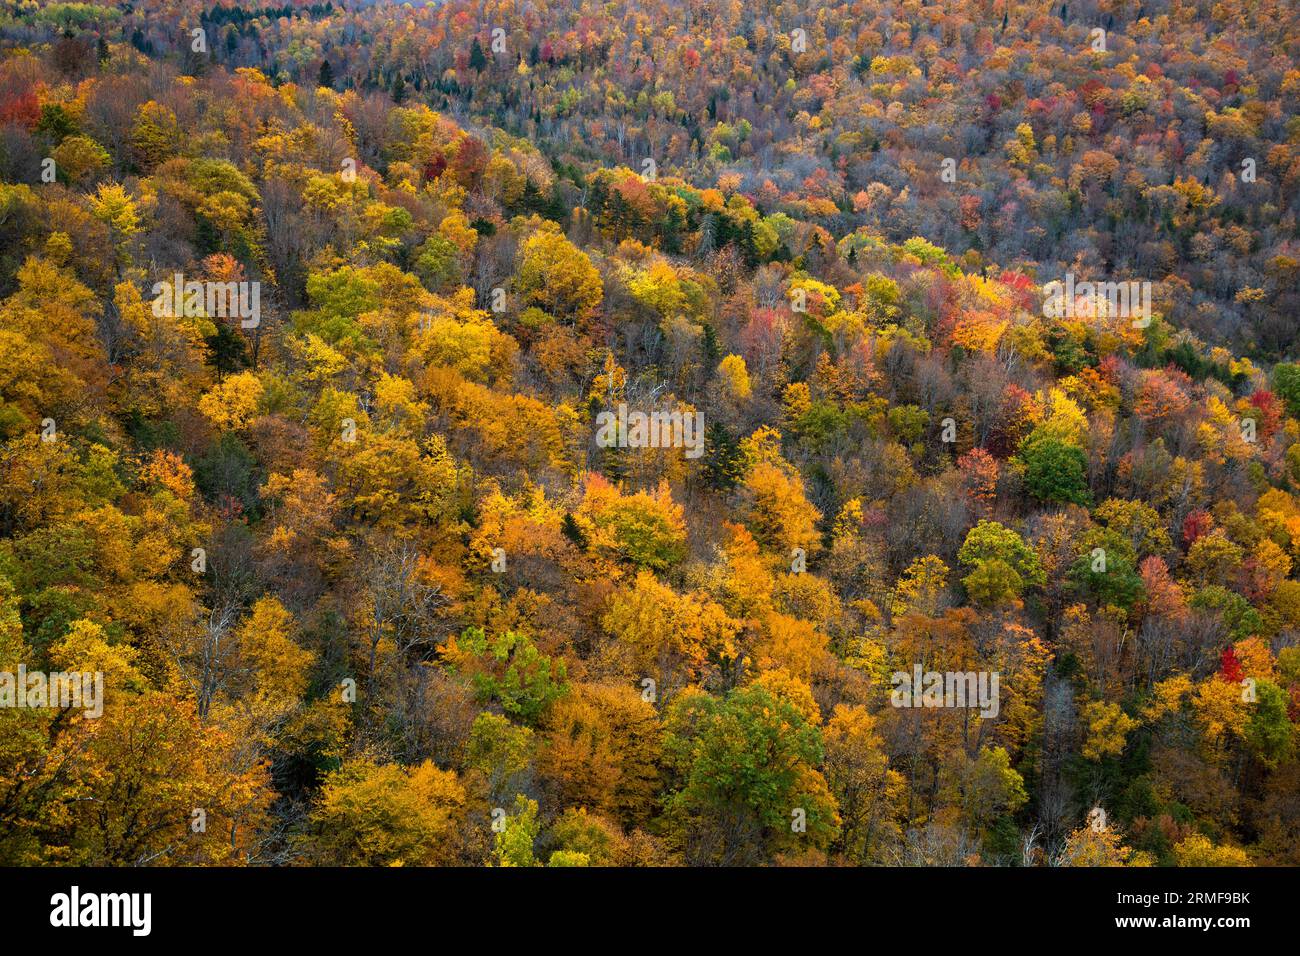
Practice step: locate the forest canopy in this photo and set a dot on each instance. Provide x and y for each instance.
(558, 433)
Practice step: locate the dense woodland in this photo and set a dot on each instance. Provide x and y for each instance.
(364, 586)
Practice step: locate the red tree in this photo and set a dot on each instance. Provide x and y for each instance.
(1230, 668)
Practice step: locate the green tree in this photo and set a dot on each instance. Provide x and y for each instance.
(747, 770)
(990, 540)
(1003, 564)
(500, 751)
(515, 840)
(1286, 383)
(993, 582)
(1055, 472)
(1106, 570)
(510, 669)
(477, 59)
(1270, 732)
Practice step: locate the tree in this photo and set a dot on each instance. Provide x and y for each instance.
(508, 668)
(735, 377)
(921, 587)
(515, 841)
(777, 511)
(1056, 472)
(79, 156)
(1140, 523)
(279, 669)
(1286, 383)
(646, 529)
(987, 788)
(372, 814)
(1107, 728)
(501, 752)
(230, 404)
(746, 771)
(557, 277)
(1270, 733)
(1199, 850)
(990, 540)
(477, 60)
(993, 582)
(1215, 558)
(662, 634)
(593, 839)
(154, 763)
(1093, 846)
(112, 206)
(867, 791)
(1003, 564)
(980, 478)
(603, 749)
(155, 135)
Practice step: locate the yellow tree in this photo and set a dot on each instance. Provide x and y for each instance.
(556, 276)
(868, 792)
(602, 750)
(372, 814)
(661, 634)
(777, 512)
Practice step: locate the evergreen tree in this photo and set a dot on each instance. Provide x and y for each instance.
(477, 60)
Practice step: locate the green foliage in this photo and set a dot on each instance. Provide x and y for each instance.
(1239, 617)
(993, 582)
(724, 463)
(500, 751)
(1270, 732)
(1111, 578)
(1286, 383)
(1056, 472)
(516, 840)
(748, 760)
(989, 541)
(514, 672)
(908, 422)
(436, 262)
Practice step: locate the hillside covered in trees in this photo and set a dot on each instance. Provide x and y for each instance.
(527, 433)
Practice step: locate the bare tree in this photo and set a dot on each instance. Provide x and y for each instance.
(399, 604)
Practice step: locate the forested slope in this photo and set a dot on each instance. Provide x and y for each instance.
(379, 566)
